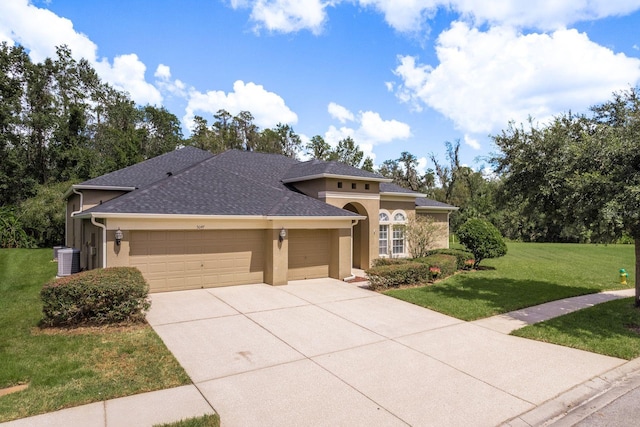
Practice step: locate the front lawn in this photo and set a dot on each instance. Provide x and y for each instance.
(611, 328)
(66, 368)
(530, 274)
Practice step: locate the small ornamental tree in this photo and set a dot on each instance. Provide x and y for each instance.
(421, 233)
(482, 239)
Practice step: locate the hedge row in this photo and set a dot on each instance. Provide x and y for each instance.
(96, 297)
(394, 275)
(394, 272)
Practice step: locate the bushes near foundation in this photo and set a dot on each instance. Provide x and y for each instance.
(394, 275)
(96, 297)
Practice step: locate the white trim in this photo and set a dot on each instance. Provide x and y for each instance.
(437, 208)
(345, 195)
(245, 217)
(331, 175)
(402, 194)
(96, 187)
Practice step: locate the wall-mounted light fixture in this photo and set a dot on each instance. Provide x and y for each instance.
(119, 236)
(283, 234)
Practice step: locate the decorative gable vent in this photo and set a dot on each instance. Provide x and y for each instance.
(68, 261)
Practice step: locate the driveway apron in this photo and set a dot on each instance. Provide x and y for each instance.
(324, 352)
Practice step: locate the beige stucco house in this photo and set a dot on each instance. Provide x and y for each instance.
(190, 219)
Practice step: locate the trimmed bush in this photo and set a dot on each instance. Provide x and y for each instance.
(96, 297)
(482, 239)
(447, 264)
(392, 276)
(461, 256)
(390, 261)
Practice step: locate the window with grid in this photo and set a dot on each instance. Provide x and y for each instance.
(383, 240)
(398, 240)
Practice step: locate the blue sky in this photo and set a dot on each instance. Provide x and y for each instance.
(394, 75)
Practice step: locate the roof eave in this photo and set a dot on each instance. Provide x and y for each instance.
(96, 187)
(331, 175)
(196, 216)
(437, 208)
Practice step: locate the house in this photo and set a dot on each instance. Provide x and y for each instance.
(190, 219)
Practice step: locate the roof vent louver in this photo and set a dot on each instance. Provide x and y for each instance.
(68, 261)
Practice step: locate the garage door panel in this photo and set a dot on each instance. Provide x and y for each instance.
(308, 254)
(197, 259)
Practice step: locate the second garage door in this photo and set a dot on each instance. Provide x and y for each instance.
(308, 254)
(178, 260)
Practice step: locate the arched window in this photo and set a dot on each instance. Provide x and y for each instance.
(399, 217)
(398, 246)
(384, 217)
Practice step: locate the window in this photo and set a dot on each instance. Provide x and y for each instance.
(366, 186)
(353, 185)
(383, 234)
(398, 240)
(339, 184)
(383, 240)
(399, 217)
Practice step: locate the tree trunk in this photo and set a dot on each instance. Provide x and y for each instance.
(637, 276)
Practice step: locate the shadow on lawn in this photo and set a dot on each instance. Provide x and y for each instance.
(470, 298)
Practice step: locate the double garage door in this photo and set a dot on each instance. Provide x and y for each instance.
(180, 260)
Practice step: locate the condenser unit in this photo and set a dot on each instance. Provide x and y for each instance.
(68, 261)
(56, 249)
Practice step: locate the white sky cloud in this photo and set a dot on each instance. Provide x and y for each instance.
(267, 108)
(372, 130)
(501, 75)
(339, 113)
(40, 31)
(472, 142)
(286, 16)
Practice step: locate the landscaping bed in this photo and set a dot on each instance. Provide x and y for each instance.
(66, 367)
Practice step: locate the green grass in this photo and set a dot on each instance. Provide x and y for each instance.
(530, 274)
(611, 328)
(66, 368)
(203, 421)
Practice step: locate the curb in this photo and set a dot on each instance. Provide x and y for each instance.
(579, 402)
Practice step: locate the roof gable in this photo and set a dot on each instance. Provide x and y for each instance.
(313, 169)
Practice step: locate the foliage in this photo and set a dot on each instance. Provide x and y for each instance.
(390, 276)
(482, 239)
(447, 264)
(44, 214)
(421, 232)
(461, 256)
(12, 233)
(610, 328)
(101, 296)
(530, 274)
(347, 151)
(209, 420)
(66, 368)
(404, 172)
(390, 261)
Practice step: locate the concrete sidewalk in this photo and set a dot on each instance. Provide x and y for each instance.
(322, 352)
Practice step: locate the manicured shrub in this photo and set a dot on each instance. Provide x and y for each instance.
(392, 276)
(461, 256)
(96, 297)
(482, 239)
(446, 264)
(390, 261)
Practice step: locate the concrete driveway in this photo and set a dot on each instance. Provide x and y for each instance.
(324, 352)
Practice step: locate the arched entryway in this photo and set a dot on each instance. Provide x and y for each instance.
(360, 256)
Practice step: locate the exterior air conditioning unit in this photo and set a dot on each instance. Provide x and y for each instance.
(68, 261)
(56, 249)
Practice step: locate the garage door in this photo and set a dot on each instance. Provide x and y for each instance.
(308, 254)
(177, 260)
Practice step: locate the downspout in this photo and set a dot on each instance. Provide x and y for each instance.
(104, 240)
(79, 193)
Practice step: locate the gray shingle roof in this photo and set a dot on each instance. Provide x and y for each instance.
(152, 170)
(388, 187)
(424, 202)
(231, 183)
(314, 168)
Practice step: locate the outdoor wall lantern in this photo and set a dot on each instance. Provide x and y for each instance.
(119, 236)
(283, 234)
